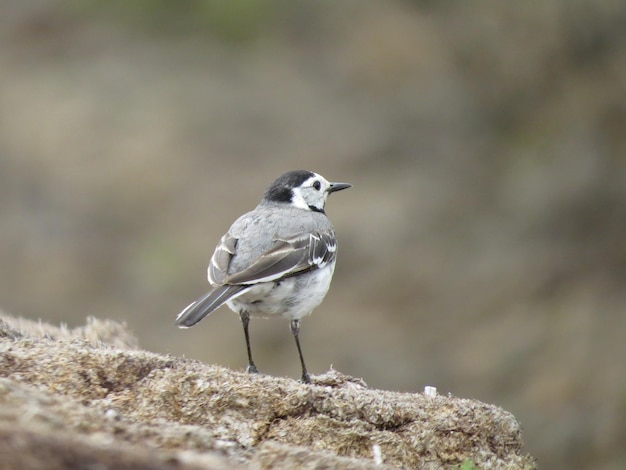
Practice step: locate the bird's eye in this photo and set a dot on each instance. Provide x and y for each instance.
(317, 185)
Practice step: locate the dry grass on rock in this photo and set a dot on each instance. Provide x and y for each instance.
(76, 398)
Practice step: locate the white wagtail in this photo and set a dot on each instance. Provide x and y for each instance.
(277, 260)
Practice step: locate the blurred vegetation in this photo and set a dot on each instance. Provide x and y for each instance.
(238, 21)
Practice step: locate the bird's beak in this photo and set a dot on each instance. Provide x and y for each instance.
(334, 187)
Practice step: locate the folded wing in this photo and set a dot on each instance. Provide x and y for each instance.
(288, 256)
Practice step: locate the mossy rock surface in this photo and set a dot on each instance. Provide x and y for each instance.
(89, 396)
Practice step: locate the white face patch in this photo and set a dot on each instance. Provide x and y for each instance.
(312, 193)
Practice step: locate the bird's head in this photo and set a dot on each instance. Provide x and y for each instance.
(302, 189)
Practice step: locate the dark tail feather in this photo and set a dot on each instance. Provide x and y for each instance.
(206, 304)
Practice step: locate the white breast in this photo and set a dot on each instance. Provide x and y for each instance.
(293, 297)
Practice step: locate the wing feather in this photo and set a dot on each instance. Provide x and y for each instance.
(288, 256)
(220, 261)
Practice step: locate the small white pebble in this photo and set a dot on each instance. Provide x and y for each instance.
(430, 391)
(378, 455)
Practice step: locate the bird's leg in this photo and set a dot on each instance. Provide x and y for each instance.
(245, 320)
(295, 330)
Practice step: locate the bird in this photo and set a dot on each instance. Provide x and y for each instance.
(276, 260)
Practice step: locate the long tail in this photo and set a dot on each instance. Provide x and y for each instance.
(206, 304)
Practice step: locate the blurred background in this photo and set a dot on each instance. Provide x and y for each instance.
(482, 247)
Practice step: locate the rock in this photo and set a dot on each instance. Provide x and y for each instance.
(87, 397)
